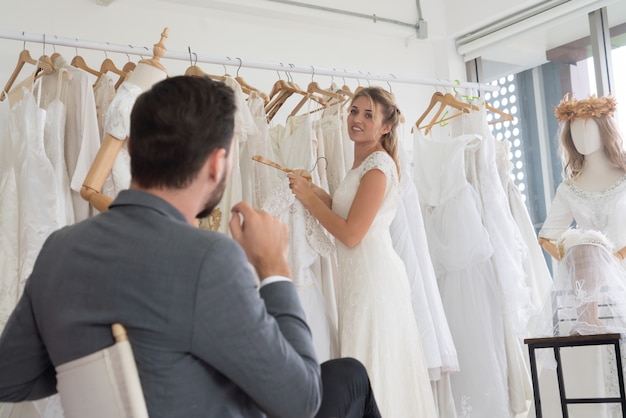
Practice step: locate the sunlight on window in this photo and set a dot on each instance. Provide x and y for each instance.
(505, 100)
(618, 58)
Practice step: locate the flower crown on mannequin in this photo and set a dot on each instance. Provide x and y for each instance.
(570, 108)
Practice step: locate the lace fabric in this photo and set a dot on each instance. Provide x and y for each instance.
(308, 242)
(117, 121)
(589, 290)
(600, 211)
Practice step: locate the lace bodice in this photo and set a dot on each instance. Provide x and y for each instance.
(600, 211)
(344, 195)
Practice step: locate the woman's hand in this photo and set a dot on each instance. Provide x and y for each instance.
(302, 188)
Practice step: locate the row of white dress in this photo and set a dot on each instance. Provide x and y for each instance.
(48, 145)
(492, 276)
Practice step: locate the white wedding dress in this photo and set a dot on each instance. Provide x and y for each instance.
(376, 321)
(461, 252)
(586, 274)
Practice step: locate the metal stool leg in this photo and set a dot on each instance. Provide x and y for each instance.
(535, 378)
(620, 377)
(559, 375)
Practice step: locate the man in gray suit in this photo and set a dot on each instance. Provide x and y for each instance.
(208, 341)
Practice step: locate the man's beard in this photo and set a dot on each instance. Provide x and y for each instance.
(214, 199)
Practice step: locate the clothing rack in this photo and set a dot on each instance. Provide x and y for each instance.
(194, 58)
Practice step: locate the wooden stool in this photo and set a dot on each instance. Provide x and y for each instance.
(574, 341)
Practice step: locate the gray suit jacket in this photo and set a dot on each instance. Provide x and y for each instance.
(207, 342)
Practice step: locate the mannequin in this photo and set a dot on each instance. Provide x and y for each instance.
(593, 153)
(593, 195)
(146, 73)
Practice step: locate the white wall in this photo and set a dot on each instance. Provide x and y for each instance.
(236, 29)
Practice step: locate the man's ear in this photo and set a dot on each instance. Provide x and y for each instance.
(217, 163)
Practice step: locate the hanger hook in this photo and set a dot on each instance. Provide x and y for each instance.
(344, 78)
(44, 44)
(292, 66)
(278, 72)
(312, 73)
(191, 55)
(224, 65)
(389, 84)
(317, 161)
(286, 73)
(54, 45)
(106, 55)
(24, 45)
(238, 68)
(76, 47)
(368, 79)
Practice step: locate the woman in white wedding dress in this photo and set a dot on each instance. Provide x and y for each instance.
(376, 321)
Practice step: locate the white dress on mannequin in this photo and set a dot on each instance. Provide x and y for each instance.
(601, 211)
(376, 321)
(588, 277)
(117, 124)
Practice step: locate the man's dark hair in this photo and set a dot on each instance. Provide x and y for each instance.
(175, 126)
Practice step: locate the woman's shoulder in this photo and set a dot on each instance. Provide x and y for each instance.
(380, 160)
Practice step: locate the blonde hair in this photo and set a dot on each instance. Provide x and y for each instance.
(383, 102)
(612, 144)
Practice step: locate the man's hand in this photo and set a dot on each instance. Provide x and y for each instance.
(264, 238)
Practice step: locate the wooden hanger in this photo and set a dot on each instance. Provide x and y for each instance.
(505, 117)
(311, 91)
(42, 65)
(345, 90)
(263, 160)
(281, 91)
(22, 59)
(443, 101)
(194, 70)
(54, 57)
(128, 68)
(79, 62)
(108, 65)
(247, 89)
